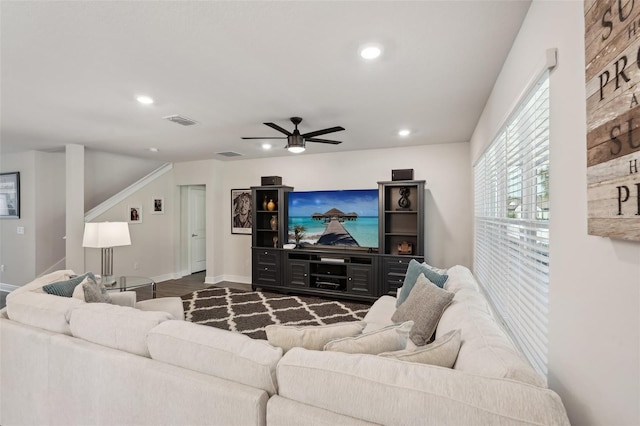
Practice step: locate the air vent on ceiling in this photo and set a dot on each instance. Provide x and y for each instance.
(229, 154)
(180, 120)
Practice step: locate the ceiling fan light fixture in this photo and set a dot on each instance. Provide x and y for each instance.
(295, 143)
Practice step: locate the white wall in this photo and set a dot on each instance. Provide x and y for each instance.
(594, 294)
(107, 174)
(50, 210)
(152, 249)
(18, 252)
(445, 167)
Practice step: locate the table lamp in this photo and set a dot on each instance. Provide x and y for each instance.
(106, 235)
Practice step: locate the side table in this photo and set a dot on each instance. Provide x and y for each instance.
(125, 283)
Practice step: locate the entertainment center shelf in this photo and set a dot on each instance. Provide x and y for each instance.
(345, 272)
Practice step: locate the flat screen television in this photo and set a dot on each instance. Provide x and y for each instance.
(338, 218)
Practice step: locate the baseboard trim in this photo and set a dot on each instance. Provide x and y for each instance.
(236, 279)
(166, 277)
(7, 288)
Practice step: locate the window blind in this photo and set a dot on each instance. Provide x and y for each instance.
(511, 208)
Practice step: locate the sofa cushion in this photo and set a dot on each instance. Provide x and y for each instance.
(379, 314)
(312, 337)
(36, 285)
(42, 310)
(118, 327)
(442, 351)
(220, 353)
(388, 391)
(390, 338)
(424, 307)
(65, 288)
(485, 348)
(413, 272)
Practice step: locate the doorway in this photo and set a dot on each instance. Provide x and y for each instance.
(194, 229)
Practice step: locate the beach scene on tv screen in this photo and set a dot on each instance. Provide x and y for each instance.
(334, 218)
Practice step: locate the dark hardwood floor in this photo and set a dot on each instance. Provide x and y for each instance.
(188, 284)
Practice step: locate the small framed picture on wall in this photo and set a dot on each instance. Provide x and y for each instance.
(158, 205)
(135, 214)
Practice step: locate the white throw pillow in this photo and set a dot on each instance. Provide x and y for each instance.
(442, 351)
(312, 337)
(391, 338)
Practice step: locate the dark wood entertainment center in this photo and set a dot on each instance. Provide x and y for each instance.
(341, 272)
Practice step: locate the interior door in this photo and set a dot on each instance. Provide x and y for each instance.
(197, 228)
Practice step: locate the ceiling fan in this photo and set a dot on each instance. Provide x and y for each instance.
(296, 141)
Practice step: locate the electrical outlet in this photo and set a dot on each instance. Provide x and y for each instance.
(20, 230)
(135, 265)
(1, 268)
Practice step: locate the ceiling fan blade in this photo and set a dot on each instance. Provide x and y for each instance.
(322, 141)
(322, 132)
(278, 128)
(268, 137)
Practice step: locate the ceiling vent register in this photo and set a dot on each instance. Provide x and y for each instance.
(180, 120)
(229, 154)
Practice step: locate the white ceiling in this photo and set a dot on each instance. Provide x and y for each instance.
(70, 72)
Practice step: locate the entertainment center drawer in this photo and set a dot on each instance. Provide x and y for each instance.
(394, 269)
(267, 267)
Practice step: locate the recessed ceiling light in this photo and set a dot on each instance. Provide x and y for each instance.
(404, 132)
(154, 150)
(371, 51)
(266, 146)
(146, 100)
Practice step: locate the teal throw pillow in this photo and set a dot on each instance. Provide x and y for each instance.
(65, 288)
(413, 271)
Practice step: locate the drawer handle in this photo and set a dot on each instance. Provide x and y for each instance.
(399, 261)
(266, 252)
(266, 268)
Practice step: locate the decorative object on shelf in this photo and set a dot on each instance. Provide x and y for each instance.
(404, 202)
(271, 206)
(158, 205)
(10, 195)
(241, 204)
(106, 236)
(135, 214)
(402, 174)
(274, 223)
(405, 247)
(264, 203)
(275, 241)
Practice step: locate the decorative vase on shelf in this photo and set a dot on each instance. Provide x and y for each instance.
(274, 223)
(275, 242)
(264, 203)
(271, 206)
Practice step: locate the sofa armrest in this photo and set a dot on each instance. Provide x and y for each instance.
(389, 391)
(124, 298)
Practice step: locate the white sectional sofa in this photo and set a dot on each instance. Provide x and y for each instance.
(64, 361)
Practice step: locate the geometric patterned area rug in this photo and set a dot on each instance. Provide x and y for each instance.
(249, 312)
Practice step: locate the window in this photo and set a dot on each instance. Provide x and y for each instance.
(511, 256)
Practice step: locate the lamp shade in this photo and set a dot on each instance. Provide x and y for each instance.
(106, 234)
